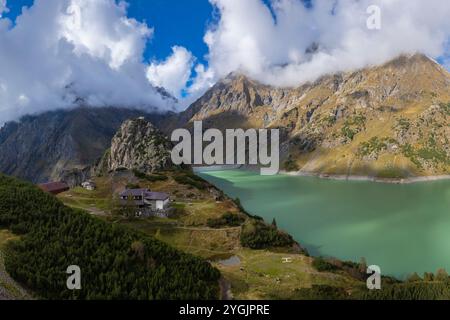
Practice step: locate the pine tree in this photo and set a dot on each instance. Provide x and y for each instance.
(274, 223)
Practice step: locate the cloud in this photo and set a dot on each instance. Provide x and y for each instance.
(288, 44)
(174, 73)
(61, 52)
(3, 7)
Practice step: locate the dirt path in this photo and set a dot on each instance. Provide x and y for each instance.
(225, 290)
(96, 212)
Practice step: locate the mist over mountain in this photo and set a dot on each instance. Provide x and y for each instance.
(54, 53)
(57, 53)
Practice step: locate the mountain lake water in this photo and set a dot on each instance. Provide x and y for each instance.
(402, 228)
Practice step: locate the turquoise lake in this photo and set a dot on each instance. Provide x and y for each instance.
(401, 228)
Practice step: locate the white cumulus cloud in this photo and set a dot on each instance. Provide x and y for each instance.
(173, 73)
(288, 44)
(3, 7)
(61, 51)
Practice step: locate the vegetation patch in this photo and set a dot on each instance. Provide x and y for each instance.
(257, 234)
(375, 146)
(190, 179)
(392, 173)
(291, 165)
(322, 265)
(445, 107)
(321, 292)
(116, 262)
(410, 291)
(403, 124)
(227, 220)
(398, 291)
(149, 177)
(353, 126)
(431, 153)
(133, 186)
(410, 153)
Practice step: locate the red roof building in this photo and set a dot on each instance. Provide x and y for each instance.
(54, 187)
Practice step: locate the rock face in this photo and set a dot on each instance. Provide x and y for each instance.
(141, 146)
(60, 145)
(389, 121)
(235, 102)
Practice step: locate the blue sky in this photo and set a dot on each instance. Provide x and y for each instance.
(172, 25)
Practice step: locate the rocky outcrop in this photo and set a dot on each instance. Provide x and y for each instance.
(138, 145)
(60, 144)
(75, 177)
(235, 102)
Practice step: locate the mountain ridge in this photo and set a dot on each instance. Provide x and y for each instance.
(365, 122)
(62, 144)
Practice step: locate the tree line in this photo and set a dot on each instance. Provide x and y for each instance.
(116, 262)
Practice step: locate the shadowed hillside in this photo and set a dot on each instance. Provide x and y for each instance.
(60, 144)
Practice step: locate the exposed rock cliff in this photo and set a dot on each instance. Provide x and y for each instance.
(138, 145)
(60, 145)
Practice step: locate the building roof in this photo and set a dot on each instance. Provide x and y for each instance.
(156, 196)
(146, 194)
(54, 187)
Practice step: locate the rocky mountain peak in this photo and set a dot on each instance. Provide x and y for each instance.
(141, 146)
(367, 121)
(62, 144)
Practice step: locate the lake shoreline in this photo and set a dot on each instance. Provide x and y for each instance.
(337, 177)
(367, 178)
(352, 220)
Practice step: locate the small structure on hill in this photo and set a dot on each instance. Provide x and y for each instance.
(146, 202)
(54, 187)
(89, 185)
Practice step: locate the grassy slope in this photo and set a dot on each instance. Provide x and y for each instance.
(261, 273)
(115, 258)
(344, 159)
